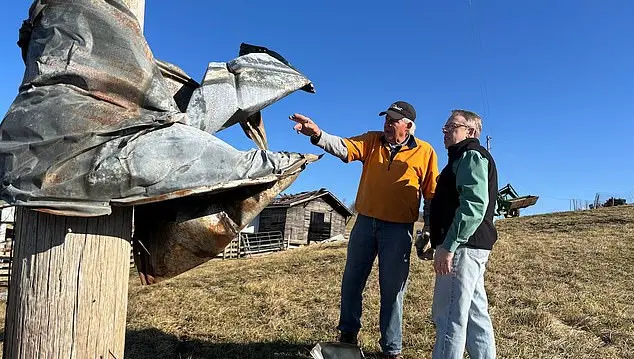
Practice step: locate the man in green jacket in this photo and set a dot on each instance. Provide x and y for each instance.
(463, 234)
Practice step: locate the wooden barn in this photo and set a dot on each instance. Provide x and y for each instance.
(305, 217)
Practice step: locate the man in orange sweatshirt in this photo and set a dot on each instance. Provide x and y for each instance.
(398, 169)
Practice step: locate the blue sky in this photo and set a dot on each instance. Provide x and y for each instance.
(553, 80)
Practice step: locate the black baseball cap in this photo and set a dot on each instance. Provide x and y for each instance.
(400, 109)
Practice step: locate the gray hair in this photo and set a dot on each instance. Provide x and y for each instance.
(412, 129)
(473, 120)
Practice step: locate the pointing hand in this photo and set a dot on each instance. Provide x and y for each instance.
(305, 125)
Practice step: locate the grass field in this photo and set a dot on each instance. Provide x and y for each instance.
(559, 285)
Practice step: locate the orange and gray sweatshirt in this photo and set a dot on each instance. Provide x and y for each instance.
(394, 177)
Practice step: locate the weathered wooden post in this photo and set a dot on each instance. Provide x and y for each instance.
(69, 286)
(68, 293)
(138, 8)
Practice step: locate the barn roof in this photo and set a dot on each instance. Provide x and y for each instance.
(290, 200)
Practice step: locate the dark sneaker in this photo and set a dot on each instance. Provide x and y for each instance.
(349, 338)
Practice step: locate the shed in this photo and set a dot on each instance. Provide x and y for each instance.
(306, 217)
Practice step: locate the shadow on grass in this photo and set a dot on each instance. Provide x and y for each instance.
(155, 344)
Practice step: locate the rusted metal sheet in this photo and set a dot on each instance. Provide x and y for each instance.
(175, 236)
(99, 122)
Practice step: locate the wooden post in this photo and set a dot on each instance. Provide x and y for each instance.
(69, 286)
(138, 8)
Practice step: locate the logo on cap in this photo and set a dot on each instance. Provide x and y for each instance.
(403, 109)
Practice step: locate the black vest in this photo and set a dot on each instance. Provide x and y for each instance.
(446, 202)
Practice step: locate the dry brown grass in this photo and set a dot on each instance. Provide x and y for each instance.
(560, 286)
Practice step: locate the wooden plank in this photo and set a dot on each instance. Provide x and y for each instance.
(68, 291)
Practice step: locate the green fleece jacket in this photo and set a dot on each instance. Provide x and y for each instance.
(472, 183)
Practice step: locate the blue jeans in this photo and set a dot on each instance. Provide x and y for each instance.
(460, 309)
(393, 244)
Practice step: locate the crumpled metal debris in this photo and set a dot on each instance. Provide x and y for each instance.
(99, 122)
(174, 236)
(336, 351)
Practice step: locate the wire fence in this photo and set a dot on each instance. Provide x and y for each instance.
(602, 199)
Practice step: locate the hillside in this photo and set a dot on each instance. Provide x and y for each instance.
(560, 286)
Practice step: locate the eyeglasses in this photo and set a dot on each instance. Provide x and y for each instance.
(452, 126)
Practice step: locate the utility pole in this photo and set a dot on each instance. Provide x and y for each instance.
(68, 292)
(489, 143)
(138, 8)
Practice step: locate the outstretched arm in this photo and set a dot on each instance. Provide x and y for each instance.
(330, 143)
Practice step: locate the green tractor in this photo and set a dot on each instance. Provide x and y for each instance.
(509, 202)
